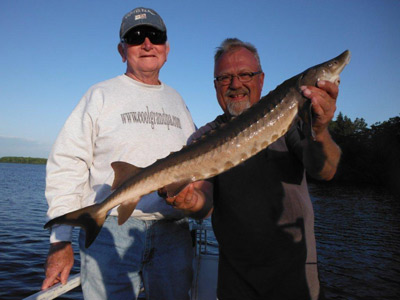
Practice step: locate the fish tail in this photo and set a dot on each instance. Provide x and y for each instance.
(90, 218)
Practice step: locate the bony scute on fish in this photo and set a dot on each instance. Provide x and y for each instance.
(254, 130)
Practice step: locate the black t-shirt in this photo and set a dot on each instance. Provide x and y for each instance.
(258, 220)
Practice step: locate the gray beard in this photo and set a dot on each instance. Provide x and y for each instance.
(236, 108)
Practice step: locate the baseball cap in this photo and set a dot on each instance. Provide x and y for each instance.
(141, 16)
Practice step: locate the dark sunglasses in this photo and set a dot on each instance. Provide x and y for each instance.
(137, 36)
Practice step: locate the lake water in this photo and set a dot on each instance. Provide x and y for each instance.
(357, 230)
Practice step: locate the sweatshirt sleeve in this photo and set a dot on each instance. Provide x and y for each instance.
(67, 170)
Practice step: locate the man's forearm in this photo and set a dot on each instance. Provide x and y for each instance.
(322, 156)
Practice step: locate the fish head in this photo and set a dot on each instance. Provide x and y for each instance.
(329, 70)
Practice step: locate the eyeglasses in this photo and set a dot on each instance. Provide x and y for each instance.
(137, 37)
(243, 77)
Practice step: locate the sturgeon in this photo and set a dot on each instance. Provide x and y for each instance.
(215, 152)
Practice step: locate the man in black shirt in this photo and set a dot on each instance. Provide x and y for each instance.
(262, 214)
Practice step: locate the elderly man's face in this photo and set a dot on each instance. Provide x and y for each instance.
(237, 96)
(144, 58)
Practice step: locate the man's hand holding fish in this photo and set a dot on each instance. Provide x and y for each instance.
(195, 199)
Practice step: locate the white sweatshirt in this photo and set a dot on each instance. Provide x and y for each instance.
(116, 120)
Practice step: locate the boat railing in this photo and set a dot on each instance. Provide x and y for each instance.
(57, 289)
(201, 233)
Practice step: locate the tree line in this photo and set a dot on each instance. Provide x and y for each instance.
(23, 160)
(370, 155)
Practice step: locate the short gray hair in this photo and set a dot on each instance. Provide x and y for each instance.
(231, 44)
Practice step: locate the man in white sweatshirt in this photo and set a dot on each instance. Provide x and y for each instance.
(137, 119)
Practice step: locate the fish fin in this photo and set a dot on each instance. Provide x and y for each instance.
(310, 129)
(90, 218)
(125, 210)
(305, 112)
(122, 172)
(175, 188)
(307, 118)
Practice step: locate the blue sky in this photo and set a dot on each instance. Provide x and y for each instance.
(51, 52)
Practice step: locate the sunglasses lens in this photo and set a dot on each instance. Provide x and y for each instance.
(157, 37)
(134, 38)
(137, 37)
